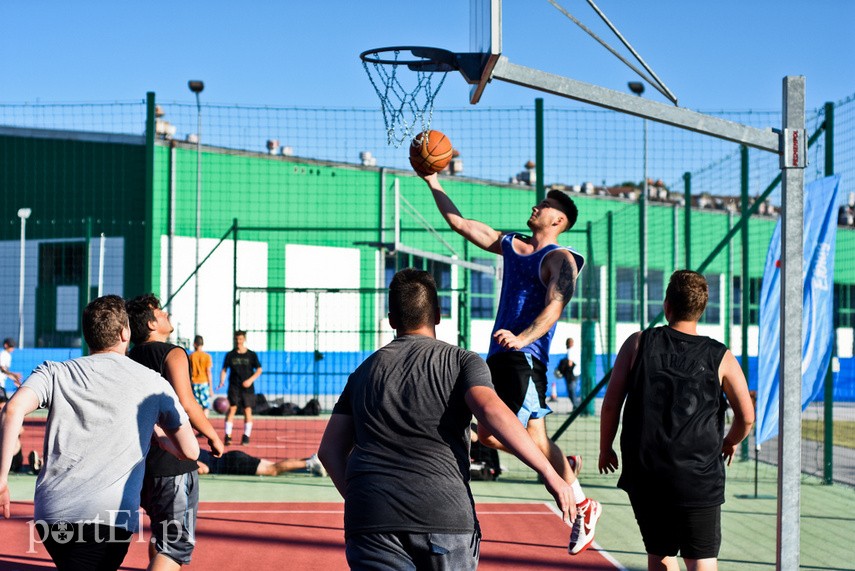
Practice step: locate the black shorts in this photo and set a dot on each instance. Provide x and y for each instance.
(241, 397)
(84, 546)
(235, 463)
(520, 382)
(692, 533)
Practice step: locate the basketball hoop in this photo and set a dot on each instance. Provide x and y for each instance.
(407, 110)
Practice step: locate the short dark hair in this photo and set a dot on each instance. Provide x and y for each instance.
(565, 205)
(687, 295)
(413, 300)
(103, 321)
(198, 340)
(141, 313)
(8, 342)
(240, 332)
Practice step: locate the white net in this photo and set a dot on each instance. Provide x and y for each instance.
(407, 104)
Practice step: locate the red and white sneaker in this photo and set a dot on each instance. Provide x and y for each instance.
(582, 534)
(575, 464)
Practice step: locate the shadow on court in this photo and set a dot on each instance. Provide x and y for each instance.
(266, 535)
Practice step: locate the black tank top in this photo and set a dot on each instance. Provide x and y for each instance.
(159, 462)
(673, 421)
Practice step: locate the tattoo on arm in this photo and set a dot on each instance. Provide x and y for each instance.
(565, 285)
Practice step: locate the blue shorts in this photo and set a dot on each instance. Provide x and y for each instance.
(202, 393)
(520, 382)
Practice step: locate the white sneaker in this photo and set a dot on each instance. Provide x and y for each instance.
(314, 466)
(582, 535)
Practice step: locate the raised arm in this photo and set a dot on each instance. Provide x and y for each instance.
(561, 273)
(736, 388)
(613, 403)
(498, 419)
(476, 232)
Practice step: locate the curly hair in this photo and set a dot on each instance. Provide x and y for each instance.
(141, 313)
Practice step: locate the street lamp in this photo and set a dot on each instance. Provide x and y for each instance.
(638, 88)
(23, 214)
(196, 86)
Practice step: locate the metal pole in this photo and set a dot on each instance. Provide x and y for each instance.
(642, 247)
(170, 254)
(102, 244)
(540, 190)
(793, 161)
(675, 239)
(687, 232)
(612, 317)
(234, 273)
(198, 210)
(23, 214)
(745, 297)
(828, 400)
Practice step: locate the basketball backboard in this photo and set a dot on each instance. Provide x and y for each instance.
(485, 38)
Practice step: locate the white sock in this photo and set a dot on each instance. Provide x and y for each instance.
(577, 492)
(229, 426)
(247, 429)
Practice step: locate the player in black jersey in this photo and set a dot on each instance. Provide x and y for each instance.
(673, 446)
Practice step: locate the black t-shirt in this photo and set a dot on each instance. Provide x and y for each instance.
(409, 468)
(159, 462)
(241, 366)
(673, 421)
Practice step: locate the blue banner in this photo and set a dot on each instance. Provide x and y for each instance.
(820, 232)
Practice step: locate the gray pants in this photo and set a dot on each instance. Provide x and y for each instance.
(400, 551)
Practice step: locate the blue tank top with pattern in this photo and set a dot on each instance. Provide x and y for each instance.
(523, 295)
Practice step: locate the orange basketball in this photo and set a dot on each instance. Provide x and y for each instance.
(430, 152)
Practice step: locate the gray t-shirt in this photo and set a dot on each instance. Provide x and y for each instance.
(409, 469)
(101, 413)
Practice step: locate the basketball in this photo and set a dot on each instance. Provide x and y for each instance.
(221, 405)
(430, 152)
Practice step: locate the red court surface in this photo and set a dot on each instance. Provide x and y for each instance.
(244, 535)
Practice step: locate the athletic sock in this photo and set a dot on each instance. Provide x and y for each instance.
(577, 492)
(247, 429)
(229, 426)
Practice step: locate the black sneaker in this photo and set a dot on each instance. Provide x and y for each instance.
(227, 440)
(245, 440)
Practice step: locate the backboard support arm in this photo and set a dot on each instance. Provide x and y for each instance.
(764, 139)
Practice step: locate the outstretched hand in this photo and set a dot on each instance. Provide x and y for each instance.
(608, 461)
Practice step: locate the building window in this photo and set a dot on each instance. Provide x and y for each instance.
(587, 289)
(626, 290)
(483, 287)
(754, 286)
(655, 293)
(712, 315)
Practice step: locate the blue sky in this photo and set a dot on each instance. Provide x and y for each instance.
(723, 55)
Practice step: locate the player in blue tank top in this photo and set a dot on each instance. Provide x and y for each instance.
(539, 280)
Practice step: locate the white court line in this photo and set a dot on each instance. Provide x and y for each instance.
(606, 555)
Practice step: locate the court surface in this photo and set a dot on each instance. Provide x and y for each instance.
(299, 535)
